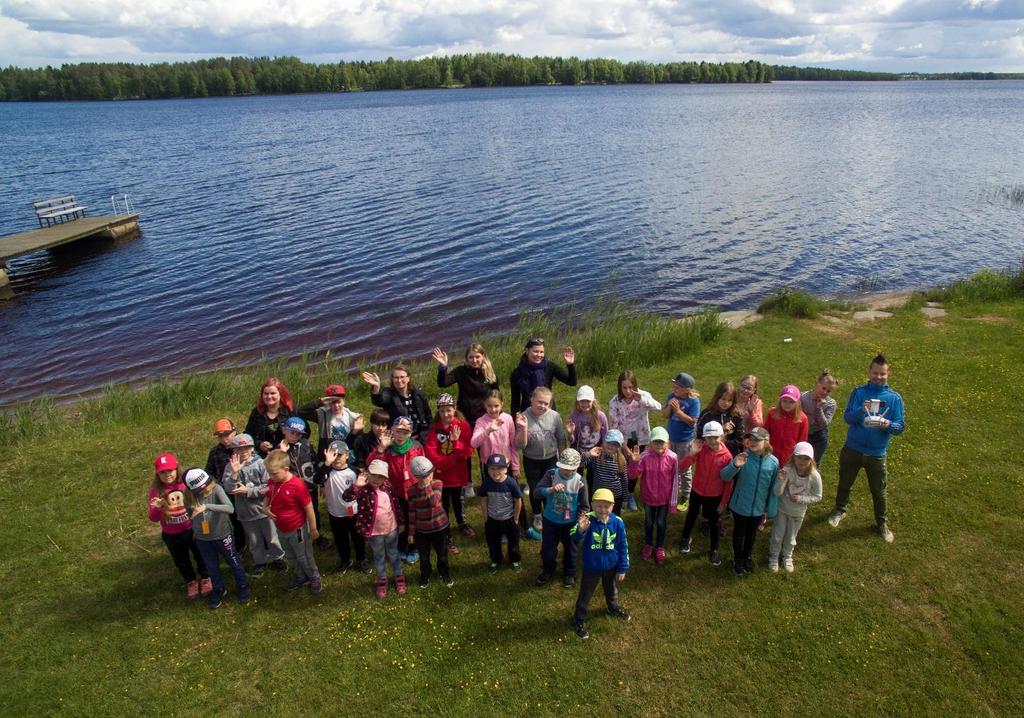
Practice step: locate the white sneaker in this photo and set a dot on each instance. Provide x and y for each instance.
(835, 517)
(887, 535)
(787, 563)
(538, 523)
(773, 565)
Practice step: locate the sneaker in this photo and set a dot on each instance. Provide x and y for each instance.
(835, 517)
(316, 585)
(685, 545)
(380, 589)
(448, 581)
(620, 613)
(715, 560)
(216, 598)
(467, 531)
(737, 568)
(581, 629)
(364, 567)
(647, 553)
(244, 593)
(400, 588)
(205, 587)
(631, 504)
(516, 567)
(787, 563)
(424, 582)
(533, 534)
(493, 569)
(748, 566)
(569, 582)
(192, 590)
(543, 579)
(773, 565)
(682, 507)
(887, 535)
(504, 539)
(258, 570)
(761, 524)
(659, 555)
(538, 523)
(279, 565)
(411, 557)
(323, 543)
(452, 548)
(295, 584)
(344, 566)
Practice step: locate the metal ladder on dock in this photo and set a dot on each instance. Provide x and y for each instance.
(122, 204)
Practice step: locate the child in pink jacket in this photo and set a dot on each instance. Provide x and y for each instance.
(657, 469)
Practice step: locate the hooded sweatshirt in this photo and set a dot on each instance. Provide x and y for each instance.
(447, 455)
(867, 440)
(254, 477)
(603, 545)
(797, 492)
(707, 478)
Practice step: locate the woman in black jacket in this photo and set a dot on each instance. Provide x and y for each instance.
(402, 398)
(535, 370)
(475, 379)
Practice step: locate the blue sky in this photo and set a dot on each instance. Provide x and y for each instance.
(897, 35)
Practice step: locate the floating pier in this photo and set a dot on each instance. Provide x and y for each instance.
(107, 226)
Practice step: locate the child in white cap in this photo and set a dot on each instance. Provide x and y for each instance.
(566, 496)
(798, 486)
(379, 521)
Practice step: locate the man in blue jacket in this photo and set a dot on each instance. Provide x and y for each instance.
(875, 414)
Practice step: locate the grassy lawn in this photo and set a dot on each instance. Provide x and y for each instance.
(96, 622)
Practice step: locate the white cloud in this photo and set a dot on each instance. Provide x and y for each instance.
(901, 34)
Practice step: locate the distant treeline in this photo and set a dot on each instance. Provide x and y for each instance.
(221, 77)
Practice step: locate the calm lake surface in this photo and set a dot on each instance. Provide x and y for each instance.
(383, 223)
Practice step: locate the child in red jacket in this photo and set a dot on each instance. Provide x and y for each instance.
(710, 456)
(448, 449)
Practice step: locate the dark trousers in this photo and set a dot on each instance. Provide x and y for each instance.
(180, 546)
(535, 470)
(587, 585)
(709, 506)
(655, 516)
(403, 535)
(552, 535)
(213, 551)
(451, 499)
(743, 534)
(494, 529)
(818, 442)
(237, 528)
(850, 464)
(343, 528)
(314, 494)
(437, 540)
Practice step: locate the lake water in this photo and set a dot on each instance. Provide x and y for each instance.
(383, 223)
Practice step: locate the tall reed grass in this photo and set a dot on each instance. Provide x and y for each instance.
(984, 286)
(798, 304)
(608, 337)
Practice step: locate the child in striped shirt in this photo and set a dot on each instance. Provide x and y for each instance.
(428, 520)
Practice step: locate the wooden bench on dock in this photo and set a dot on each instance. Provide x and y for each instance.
(58, 209)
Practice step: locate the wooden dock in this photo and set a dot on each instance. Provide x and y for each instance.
(110, 226)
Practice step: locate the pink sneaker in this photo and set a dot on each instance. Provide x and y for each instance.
(192, 590)
(659, 555)
(400, 585)
(205, 587)
(647, 553)
(380, 589)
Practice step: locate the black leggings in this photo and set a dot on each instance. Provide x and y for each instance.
(452, 499)
(180, 546)
(743, 534)
(438, 541)
(709, 506)
(346, 538)
(535, 470)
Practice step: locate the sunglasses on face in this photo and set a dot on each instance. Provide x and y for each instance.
(224, 434)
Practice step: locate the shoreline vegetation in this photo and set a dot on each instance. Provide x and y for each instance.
(241, 76)
(930, 622)
(611, 334)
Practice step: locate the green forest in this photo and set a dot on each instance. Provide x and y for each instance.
(222, 77)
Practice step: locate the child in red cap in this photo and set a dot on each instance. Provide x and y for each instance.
(167, 507)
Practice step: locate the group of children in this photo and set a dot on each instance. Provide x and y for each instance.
(389, 487)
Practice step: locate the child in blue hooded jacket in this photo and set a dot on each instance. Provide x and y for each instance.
(605, 558)
(753, 471)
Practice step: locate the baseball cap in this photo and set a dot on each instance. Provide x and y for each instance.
(378, 467)
(614, 436)
(402, 421)
(334, 391)
(759, 433)
(803, 448)
(790, 391)
(165, 462)
(569, 460)
(445, 400)
(196, 479)
(603, 495)
(498, 461)
(684, 380)
(295, 423)
(223, 426)
(713, 428)
(242, 441)
(659, 433)
(585, 393)
(420, 466)
(339, 446)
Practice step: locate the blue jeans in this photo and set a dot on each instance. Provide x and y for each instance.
(818, 442)
(212, 551)
(552, 535)
(685, 477)
(385, 548)
(655, 515)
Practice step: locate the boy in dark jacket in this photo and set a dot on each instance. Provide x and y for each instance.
(216, 462)
(605, 558)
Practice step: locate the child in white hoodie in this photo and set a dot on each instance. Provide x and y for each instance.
(798, 485)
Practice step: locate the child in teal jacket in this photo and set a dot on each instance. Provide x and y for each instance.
(753, 472)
